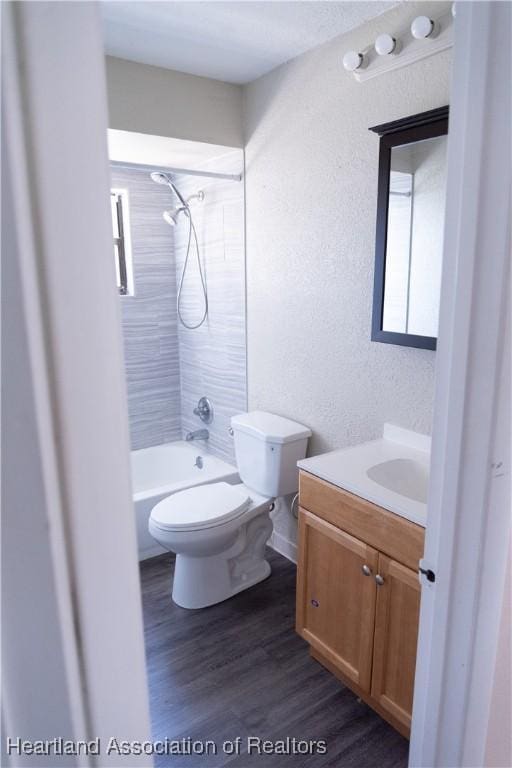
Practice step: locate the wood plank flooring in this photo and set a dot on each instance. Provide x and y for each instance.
(238, 669)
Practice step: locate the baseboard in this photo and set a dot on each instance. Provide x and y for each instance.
(282, 545)
(145, 554)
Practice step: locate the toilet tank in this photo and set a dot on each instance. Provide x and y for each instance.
(267, 449)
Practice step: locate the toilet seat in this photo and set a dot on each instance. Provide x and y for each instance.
(203, 506)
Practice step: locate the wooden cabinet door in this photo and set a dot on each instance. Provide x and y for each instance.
(335, 599)
(396, 637)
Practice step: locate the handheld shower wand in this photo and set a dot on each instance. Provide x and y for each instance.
(171, 217)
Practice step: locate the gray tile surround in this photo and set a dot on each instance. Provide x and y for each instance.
(149, 317)
(213, 357)
(168, 367)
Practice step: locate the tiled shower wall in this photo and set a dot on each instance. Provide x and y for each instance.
(213, 357)
(149, 317)
(169, 367)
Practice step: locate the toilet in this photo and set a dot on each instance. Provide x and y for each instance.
(219, 531)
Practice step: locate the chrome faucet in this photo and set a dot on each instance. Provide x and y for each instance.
(198, 434)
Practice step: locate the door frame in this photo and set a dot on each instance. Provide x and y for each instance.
(54, 111)
(468, 532)
(59, 55)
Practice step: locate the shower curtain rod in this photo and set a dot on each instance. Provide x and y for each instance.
(182, 171)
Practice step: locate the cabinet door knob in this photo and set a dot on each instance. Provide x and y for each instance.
(366, 570)
(379, 580)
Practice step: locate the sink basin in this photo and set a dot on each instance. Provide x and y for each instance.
(391, 472)
(404, 476)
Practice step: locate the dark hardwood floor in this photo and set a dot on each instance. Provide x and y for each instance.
(238, 669)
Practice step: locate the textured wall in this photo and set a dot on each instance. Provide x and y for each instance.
(311, 189)
(163, 102)
(149, 317)
(213, 357)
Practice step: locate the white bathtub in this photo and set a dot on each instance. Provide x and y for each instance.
(163, 470)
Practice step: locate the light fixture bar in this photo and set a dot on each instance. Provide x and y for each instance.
(394, 49)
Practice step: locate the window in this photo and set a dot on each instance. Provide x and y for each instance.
(122, 244)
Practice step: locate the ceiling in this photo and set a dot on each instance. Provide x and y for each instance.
(232, 41)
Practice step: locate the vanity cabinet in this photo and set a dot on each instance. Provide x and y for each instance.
(358, 594)
(395, 639)
(336, 609)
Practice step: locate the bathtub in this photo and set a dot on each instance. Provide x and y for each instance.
(162, 470)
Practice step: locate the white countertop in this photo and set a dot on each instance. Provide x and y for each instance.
(347, 468)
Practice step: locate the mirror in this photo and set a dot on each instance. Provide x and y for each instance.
(410, 225)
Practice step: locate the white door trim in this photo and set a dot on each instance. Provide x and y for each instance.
(468, 507)
(60, 176)
(52, 596)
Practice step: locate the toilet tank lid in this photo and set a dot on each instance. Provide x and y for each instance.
(269, 427)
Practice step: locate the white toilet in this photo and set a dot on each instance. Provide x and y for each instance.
(219, 531)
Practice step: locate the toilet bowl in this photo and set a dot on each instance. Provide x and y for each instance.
(219, 531)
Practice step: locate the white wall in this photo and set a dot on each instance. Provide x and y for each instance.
(311, 189)
(163, 102)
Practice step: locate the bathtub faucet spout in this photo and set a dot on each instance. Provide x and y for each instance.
(198, 434)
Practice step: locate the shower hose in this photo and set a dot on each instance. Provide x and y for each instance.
(192, 231)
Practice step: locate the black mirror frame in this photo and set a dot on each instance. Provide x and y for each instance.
(426, 125)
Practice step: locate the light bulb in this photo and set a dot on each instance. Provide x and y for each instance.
(352, 60)
(385, 44)
(422, 27)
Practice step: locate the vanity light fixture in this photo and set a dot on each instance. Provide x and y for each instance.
(353, 60)
(422, 27)
(385, 44)
(399, 48)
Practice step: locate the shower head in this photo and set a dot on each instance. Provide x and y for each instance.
(171, 217)
(162, 178)
(159, 178)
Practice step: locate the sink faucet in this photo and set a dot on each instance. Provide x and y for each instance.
(198, 434)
